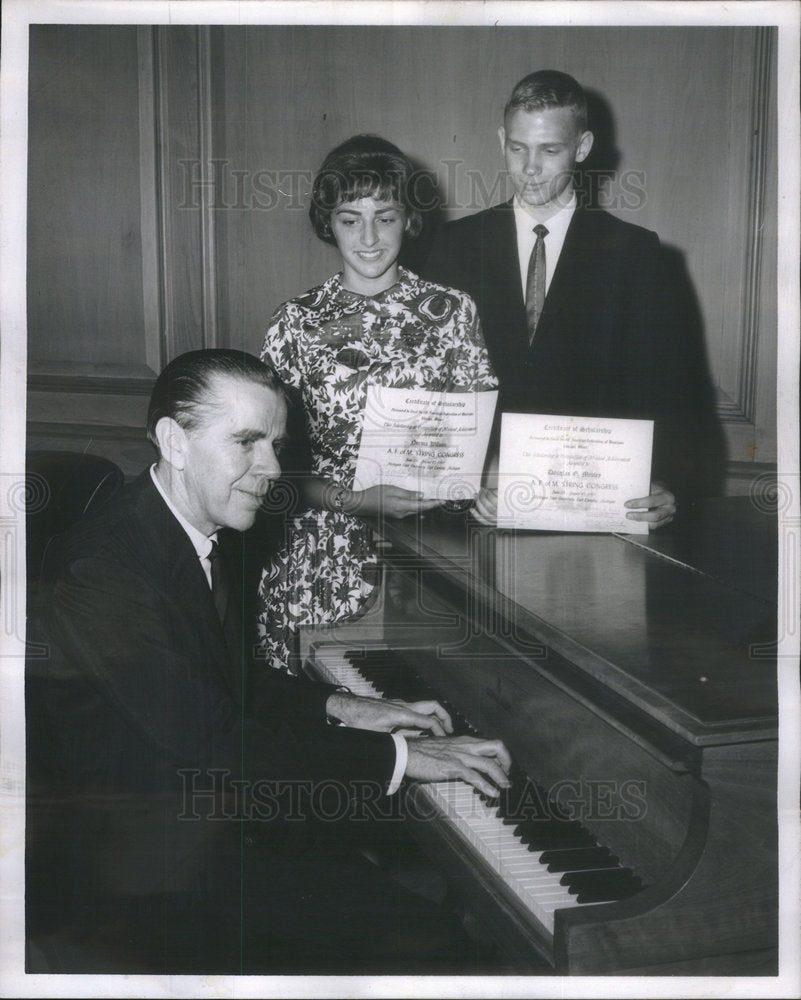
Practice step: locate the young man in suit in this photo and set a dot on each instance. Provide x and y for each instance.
(578, 310)
(191, 781)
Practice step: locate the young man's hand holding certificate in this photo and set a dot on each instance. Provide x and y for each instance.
(563, 473)
(433, 443)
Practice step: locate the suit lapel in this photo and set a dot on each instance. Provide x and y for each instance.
(503, 263)
(182, 573)
(502, 268)
(566, 277)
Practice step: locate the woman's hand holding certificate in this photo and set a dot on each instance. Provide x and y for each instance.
(385, 501)
(432, 444)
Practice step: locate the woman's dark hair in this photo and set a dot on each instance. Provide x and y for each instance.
(364, 166)
(185, 385)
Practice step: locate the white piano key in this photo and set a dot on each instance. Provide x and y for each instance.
(478, 822)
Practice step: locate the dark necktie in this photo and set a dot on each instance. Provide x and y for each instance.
(535, 282)
(226, 602)
(220, 584)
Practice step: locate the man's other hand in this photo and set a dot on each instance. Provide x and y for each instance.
(384, 716)
(485, 509)
(660, 506)
(482, 763)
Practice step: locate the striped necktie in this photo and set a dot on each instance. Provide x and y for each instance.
(535, 282)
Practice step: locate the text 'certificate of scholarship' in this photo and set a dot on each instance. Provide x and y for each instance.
(434, 443)
(559, 473)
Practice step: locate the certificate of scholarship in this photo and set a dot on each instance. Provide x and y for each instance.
(434, 443)
(560, 473)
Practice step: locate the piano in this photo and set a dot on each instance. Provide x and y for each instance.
(633, 679)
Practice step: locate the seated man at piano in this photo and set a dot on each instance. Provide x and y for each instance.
(188, 784)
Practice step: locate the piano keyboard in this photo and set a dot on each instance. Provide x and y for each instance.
(547, 864)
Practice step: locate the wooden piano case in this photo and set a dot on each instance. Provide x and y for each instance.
(637, 687)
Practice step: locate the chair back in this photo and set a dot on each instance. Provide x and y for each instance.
(61, 486)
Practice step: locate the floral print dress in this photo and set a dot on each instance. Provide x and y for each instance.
(331, 344)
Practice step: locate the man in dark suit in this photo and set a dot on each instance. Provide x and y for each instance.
(579, 311)
(190, 782)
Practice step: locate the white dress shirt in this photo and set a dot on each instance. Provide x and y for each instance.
(202, 545)
(557, 230)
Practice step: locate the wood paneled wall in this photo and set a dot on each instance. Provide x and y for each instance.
(170, 171)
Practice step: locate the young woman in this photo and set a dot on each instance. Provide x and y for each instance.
(372, 323)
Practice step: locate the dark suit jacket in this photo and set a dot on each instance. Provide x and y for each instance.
(140, 698)
(616, 337)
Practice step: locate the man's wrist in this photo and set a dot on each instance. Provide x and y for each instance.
(336, 707)
(401, 760)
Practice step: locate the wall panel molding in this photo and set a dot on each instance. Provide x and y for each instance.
(166, 235)
(108, 432)
(741, 406)
(742, 477)
(183, 128)
(206, 155)
(39, 379)
(160, 116)
(152, 283)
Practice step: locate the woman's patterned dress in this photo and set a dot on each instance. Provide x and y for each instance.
(331, 344)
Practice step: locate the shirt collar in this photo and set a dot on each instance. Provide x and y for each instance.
(200, 542)
(558, 222)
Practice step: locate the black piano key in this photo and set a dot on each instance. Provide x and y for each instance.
(525, 805)
(611, 893)
(551, 838)
(539, 831)
(524, 799)
(372, 659)
(388, 676)
(384, 674)
(559, 812)
(509, 807)
(614, 880)
(591, 872)
(537, 818)
(396, 679)
(589, 879)
(580, 859)
(555, 843)
(386, 670)
(550, 834)
(596, 852)
(602, 892)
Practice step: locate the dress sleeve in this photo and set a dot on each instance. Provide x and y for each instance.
(471, 364)
(281, 348)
